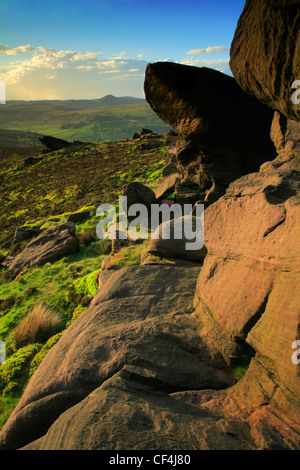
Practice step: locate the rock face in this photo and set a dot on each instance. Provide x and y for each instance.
(285, 134)
(223, 132)
(147, 365)
(265, 53)
(50, 245)
(257, 258)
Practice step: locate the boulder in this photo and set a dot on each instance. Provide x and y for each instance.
(165, 244)
(25, 233)
(223, 131)
(145, 132)
(171, 167)
(166, 187)
(138, 193)
(53, 143)
(79, 216)
(265, 53)
(51, 245)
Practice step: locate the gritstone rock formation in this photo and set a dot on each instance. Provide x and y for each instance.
(147, 365)
(265, 53)
(223, 132)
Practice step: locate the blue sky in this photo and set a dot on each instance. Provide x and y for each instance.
(89, 48)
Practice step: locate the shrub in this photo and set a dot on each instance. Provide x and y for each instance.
(39, 325)
(87, 285)
(42, 353)
(14, 366)
(87, 236)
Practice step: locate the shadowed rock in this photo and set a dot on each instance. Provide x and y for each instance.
(223, 132)
(53, 143)
(79, 216)
(51, 245)
(25, 233)
(265, 53)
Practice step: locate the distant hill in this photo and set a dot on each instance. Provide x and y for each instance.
(9, 138)
(108, 100)
(109, 118)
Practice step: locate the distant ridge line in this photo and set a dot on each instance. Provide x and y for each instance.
(107, 100)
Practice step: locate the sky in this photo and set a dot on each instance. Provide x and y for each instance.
(86, 49)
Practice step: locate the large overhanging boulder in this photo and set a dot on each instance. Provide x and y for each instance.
(265, 53)
(223, 133)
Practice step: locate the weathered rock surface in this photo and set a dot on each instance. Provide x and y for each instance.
(285, 134)
(132, 408)
(138, 193)
(25, 233)
(166, 243)
(248, 296)
(223, 132)
(51, 245)
(265, 53)
(167, 187)
(141, 316)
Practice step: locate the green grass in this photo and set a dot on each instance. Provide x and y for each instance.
(99, 124)
(237, 371)
(68, 180)
(42, 195)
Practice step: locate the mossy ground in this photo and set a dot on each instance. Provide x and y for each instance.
(41, 195)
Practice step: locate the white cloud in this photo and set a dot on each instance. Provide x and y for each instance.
(209, 50)
(222, 65)
(62, 74)
(22, 49)
(45, 73)
(84, 56)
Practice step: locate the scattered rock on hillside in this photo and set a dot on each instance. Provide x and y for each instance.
(265, 52)
(223, 131)
(138, 193)
(165, 244)
(25, 233)
(79, 216)
(51, 245)
(145, 132)
(166, 187)
(53, 143)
